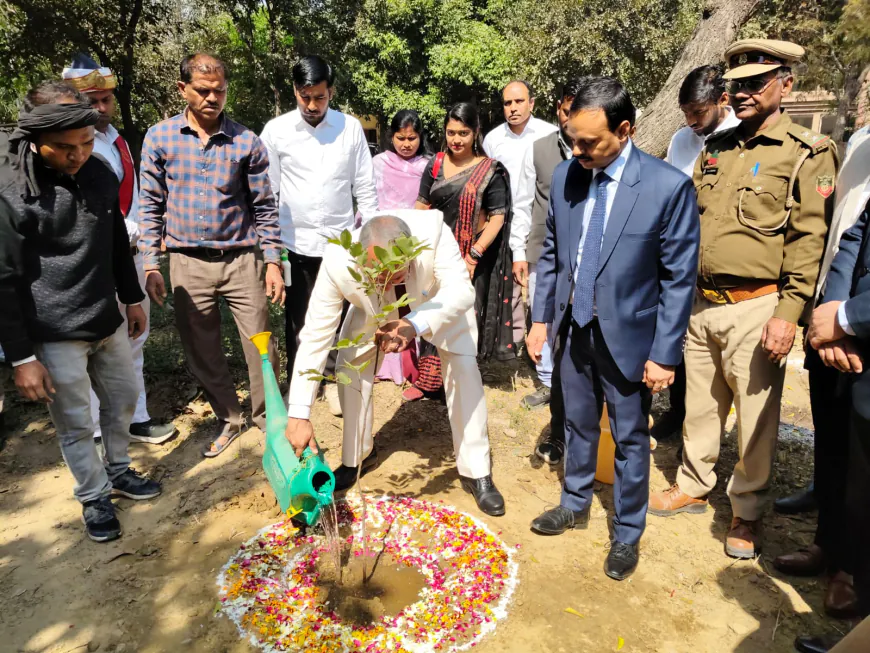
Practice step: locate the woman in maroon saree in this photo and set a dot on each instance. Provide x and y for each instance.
(473, 193)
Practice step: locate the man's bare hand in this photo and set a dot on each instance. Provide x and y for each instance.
(136, 321)
(777, 337)
(824, 325)
(300, 434)
(842, 355)
(34, 382)
(275, 284)
(521, 273)
(395, 336)
(155, 286)
(658, 377)
(536, 340)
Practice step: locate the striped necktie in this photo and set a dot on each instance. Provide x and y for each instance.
(584, 292)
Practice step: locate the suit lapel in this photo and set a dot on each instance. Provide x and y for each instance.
(623, 203)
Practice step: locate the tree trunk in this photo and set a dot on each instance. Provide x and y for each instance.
(851, 87)
(720, 21)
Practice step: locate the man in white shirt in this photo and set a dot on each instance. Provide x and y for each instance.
(110, 147)
(319, 161)
(508, 144)
(705, 105)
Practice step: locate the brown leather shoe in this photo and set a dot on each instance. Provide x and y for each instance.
(805, 562)
(673, 501)
(841, 601)
(744, 538)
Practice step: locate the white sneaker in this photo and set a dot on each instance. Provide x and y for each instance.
(330, 393)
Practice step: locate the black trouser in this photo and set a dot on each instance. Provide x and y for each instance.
(303, 273)
(830, 404)
(857, 530)
(677, 391)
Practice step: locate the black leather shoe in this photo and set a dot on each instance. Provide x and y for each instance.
(556, 521)
(485, 493)
(621, 561)
(818, 644)
(668, 425)
(797, 503)
(551, 451)
(345, 476)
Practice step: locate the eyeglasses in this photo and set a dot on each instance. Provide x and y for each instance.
(750, 86)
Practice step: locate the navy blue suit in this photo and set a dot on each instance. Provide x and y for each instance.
(644, 290)
(849, 281)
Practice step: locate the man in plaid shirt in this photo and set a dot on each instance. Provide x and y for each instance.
(205, 195)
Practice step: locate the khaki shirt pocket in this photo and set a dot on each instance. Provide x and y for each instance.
(761, 203)
(707, 189)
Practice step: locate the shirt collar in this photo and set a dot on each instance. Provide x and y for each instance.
(617, 166)
(111, 134)
(328, 120)
(223, 129)
(778, 131)
(730, 122)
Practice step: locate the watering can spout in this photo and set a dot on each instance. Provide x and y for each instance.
(302, 487)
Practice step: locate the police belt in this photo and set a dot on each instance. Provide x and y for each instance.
(751, 290)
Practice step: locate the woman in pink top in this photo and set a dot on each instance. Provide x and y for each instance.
(397, 180)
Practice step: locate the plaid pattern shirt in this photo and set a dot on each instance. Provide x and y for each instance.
(215, 195)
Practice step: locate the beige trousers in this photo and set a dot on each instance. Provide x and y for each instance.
(198, 283)
(726, 365)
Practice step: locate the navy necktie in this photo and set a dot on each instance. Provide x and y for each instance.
(584, 291)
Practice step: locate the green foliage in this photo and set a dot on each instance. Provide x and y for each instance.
(374, 276)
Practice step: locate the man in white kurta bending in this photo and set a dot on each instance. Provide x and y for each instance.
(441, 310)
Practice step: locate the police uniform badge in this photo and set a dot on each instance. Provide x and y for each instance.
(825, 185)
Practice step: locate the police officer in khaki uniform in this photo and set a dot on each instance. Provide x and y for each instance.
(765, 202)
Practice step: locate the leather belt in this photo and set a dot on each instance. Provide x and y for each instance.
(740, 293)
(210, 253)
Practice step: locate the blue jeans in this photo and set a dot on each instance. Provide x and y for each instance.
(545, 367)
(75, 366)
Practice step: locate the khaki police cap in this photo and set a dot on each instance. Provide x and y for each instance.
(751, 57)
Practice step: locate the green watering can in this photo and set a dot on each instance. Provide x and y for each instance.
(303, 487)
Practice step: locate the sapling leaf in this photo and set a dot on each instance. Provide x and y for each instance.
(346, 239)
(359, 337)
(362, 368)
(397, 251)
(333, 241)
(343, 378)
(356, 275)
(382, 254)
(356, 249)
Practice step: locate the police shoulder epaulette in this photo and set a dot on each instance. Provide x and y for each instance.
(813, 140)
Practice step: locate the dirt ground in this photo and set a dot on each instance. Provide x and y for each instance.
(154, 589)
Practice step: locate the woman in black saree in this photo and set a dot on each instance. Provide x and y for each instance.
(473, 193)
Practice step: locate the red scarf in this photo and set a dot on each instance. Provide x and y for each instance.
(125, 195)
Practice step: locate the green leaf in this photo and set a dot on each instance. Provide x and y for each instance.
(359, 338)
(362, 368)
(397, 251)
(341, 344)
(382, 254)
(356, 275)
(343, 378)
(346, 239)
(333, 241)
(356, 250)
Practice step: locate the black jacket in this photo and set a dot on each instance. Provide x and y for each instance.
(63, 257)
